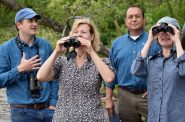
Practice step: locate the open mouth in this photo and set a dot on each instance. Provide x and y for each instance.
(34, 29)
(165, 37)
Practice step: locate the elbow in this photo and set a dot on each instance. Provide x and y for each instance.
(45, 76)
(39, 78)
(110, 78)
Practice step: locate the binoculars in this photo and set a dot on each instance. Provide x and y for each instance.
(163, 27)
(34, 85)
(71, 44)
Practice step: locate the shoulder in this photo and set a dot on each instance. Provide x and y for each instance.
(144, 35)
(61, 59)
(42, 41)
(60, 62)
(8, 44)
(106, 60)
(120, 39)
(8, 47)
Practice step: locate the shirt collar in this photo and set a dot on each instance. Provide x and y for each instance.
(138, 37)
(35, 41)
(160, 54)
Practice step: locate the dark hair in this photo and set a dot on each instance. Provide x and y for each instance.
(135, 6)
(183, 40)
(16, 24)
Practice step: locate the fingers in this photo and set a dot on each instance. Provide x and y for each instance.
(84, 41)
(37, 65)
(110, 111)
(52, 107)
(62, 40)
(33, 58)
(30, 64)
(35, 68)
(109, 107)
(144, 95)
(172, 26)
(37, 60)
(24, 55)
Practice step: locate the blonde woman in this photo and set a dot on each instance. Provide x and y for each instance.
(79, 78)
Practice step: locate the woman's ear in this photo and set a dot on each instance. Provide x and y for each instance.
(92, 37)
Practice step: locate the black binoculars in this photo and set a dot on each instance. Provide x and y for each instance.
(163, 27)
(71, 44)
(34, 85)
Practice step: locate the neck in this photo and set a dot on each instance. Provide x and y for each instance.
(81, 54)
(81, 57)
(26, 38)
(135, 32)
(166, 52)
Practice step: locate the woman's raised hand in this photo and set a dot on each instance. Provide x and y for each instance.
(60, 44)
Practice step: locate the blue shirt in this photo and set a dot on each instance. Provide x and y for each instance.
(17, 83)
(165, 86)
(123, 52)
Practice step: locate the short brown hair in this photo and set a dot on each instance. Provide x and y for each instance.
(135, 6)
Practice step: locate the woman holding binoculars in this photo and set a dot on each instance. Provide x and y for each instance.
(165, 73)
(79, 76)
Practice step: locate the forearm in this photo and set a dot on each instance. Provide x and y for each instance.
(8, 77)
(179, 48)
(54, 86)
(109, 93)
(45, 72)
(106, 73)
(146, 48)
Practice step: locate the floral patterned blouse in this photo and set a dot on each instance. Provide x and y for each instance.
(79, 97)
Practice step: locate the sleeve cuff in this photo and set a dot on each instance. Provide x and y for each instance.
(14, 74)
(52, 102)
(110, 85)
(139, 57)
(181, 58)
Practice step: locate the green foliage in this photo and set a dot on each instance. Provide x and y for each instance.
(49, 34)
(108, 15)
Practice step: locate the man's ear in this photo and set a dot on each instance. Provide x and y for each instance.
(125, 20)
(18, 25)
(144, 21)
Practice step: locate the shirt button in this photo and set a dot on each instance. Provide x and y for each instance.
(134, 51)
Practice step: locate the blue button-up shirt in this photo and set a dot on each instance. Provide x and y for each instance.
(16, 83)
(123, 52)
(165, 86)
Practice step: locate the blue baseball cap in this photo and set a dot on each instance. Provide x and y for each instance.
(169, 20)
(26, 13)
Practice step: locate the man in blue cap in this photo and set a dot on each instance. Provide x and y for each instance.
(165, 72)
(21, 57)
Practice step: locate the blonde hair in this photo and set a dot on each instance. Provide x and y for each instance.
(93, 31)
